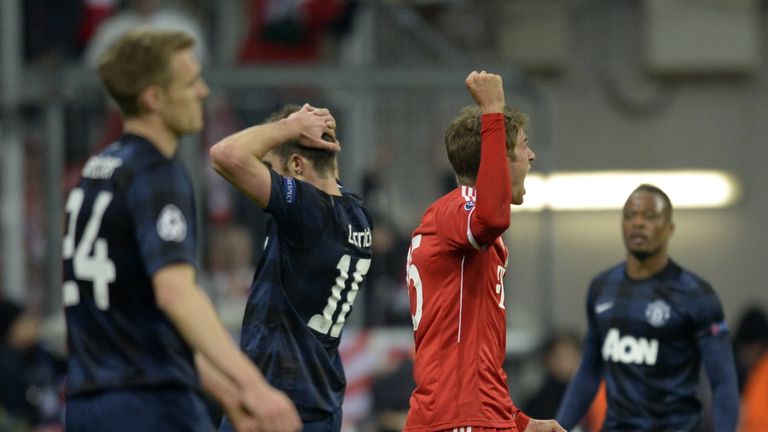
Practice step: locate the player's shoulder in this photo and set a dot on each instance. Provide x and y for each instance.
(693, 293)
(606, 281)
(295, 192)
(351, 200)
(614, 274)
(447, 206)
(458, 201)
(356, 209)
(130, 157)
(349, 196)
(688, 281)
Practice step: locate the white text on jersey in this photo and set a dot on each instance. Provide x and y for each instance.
(629, 349)
(360, 238)
(101, 167)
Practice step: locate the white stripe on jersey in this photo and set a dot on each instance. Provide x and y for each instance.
(461, 297)
(462, 429)
(468, 194)
(470, 237)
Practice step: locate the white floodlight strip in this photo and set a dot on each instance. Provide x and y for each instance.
(607, 190)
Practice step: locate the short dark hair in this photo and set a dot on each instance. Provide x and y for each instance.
(323, 160)
(462, 139)
(646, 187)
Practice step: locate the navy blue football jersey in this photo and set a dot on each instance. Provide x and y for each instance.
(131, 214)
(649, 337)
(316, 257)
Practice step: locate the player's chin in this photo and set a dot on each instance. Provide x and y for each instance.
(518, 192)
(192, 127)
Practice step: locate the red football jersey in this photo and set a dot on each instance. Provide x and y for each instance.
(457, 304)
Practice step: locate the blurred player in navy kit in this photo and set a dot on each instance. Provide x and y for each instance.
(651, 326)
(316, 256)
(138, 324)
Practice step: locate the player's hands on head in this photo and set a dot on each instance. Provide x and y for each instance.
(316, 128)
(488, 91)
(544, 426)
(272, 409)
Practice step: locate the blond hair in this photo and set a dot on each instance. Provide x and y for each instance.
(139, 59)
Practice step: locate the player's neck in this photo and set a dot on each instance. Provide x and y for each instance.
(326, 182)
(154, 131)
(328, 185)
(643, 269)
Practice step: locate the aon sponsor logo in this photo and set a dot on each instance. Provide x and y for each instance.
(629, 349)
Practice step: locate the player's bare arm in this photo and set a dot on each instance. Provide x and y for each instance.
(487, 90)
(226, 394)
(544, 426)
(192, 313)
(238, 156)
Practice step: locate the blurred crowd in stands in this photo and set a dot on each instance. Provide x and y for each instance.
(268, 31)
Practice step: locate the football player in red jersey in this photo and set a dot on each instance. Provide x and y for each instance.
(455, 270)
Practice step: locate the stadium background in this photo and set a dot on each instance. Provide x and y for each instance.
(609, 84)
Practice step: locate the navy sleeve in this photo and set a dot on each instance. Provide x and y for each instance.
(585, 383)
(162, 207)
(297, 209)
(713, 340)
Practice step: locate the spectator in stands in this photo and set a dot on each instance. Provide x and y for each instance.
(390, 393)
(561, 355)
(150, 13)
(291, 30)
(31, 376)
(50, 32)
(750, 341)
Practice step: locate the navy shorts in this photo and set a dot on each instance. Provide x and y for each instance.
(170, 410)
(330, 424)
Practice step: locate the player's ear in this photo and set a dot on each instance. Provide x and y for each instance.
(297, 165)
(150, 98)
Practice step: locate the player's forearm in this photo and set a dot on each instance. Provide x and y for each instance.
(583, 385)
(255, 142)
(193, 315)
(725, 410)
(717, 357)
(215, 383)
(494, 189)
(238, 157)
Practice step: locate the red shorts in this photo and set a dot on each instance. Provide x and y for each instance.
(479, 429)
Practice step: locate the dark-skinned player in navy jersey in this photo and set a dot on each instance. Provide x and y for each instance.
(651, 325)
(316, 256)
(139, 329)
(456, 265)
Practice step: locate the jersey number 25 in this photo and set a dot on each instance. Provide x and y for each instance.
(414, 279)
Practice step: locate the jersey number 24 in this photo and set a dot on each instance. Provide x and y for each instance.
(90, 258)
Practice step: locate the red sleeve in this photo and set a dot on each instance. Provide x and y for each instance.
(521, 420)
(494, 190)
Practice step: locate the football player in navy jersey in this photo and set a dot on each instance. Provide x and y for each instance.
(652, 324)
(316, 256)
(139, 327)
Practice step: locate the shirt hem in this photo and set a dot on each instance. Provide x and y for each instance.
(507, 424)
